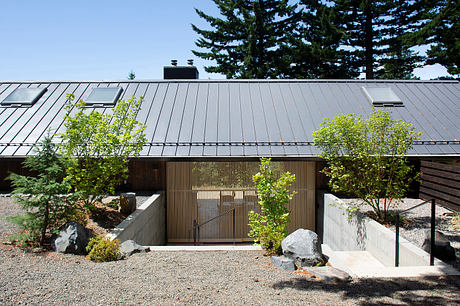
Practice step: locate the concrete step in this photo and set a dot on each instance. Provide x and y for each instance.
(363, 264)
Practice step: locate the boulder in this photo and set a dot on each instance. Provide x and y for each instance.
(130, 247)
(283, 263)
(72, 239)
(303, 247)
(127, 202)
(442, 248)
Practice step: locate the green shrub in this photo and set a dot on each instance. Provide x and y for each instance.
(102, 249)
(269, 227)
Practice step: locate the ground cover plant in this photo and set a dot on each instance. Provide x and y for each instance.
(102, 249)
(269, 227)
(365, 157)
(98, 146)
(44, 197)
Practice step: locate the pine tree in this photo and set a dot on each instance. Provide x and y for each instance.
(363, 21)
(317, 52)
(248, 41)
(445, 36)
(43, 197)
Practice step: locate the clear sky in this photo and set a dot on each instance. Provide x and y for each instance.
(104, 39)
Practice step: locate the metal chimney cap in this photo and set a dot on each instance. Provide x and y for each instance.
(174, 62)
(190, 62)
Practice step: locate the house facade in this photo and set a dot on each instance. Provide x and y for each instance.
(205, 137)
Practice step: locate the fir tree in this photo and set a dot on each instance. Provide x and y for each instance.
(43, 197)
(398, 61)
(443, 32)
(247, 42)
(363, 21)
(317, 52)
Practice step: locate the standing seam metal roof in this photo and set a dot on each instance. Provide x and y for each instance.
(226, 118)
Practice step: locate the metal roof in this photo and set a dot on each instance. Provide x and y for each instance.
(232, 118)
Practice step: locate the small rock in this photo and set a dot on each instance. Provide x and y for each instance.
(130, 247)
(283, 263)
(328, 274)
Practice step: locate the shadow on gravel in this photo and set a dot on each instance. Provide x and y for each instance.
(426, 290)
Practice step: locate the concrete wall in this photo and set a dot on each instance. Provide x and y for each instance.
(363, 234)
(146, 225)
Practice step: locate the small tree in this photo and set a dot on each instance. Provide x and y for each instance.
(131, 75)
(269, 227)
(366, 157)
(44, 197)
(98, 146)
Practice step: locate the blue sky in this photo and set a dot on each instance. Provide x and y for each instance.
(104, 39)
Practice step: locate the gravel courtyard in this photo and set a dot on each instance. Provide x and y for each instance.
(223, 277)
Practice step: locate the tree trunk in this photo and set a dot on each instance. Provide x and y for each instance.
(368, 41)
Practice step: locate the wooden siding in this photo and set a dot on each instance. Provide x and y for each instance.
(146, 175)
(185, 204)
(441, 182)
(8, 166)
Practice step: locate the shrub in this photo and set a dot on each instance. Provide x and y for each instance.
(367, 158)
(98, 146)
(269, 227)
(44, 197)
(102, 249)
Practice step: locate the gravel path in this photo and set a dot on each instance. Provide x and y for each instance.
(224, 277)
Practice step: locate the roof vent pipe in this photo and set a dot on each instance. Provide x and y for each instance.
(190, 62)
(174, 63)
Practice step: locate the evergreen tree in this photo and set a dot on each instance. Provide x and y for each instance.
(248, 41)
(443, 32)
(131, 75)
(398, 61)
(43, 197)
(318, 52)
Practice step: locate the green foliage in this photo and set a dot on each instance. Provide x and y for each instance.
(131, 75)
(44, 197)
(247, 41)
(366, 157)
(101, 249)
(269, 227)
(98, 145)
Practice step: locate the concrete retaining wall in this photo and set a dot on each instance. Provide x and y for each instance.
(364, 234)
(146, 225)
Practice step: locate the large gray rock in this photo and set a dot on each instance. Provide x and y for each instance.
(283, 263)
(130, 247)
(72, 239)
(303, 247)
(442, 248)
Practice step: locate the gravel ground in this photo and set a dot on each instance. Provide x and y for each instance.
(224, 277)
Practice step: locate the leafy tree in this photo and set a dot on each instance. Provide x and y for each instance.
(366, 157)
(269, 227)
(247, 42)
(131, 75)
(45, 197)
(98, 146)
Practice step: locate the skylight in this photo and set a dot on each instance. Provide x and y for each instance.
(104, 96)
(382, 96)
(23, 97)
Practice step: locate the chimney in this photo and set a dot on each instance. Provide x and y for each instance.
(174, 72)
